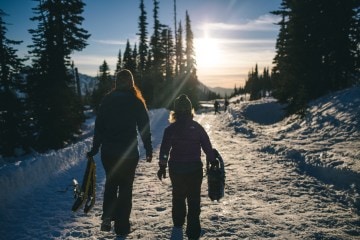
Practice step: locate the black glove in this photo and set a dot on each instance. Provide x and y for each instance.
(214, 163)
(161, 172)
(92, 152)
(149, 157)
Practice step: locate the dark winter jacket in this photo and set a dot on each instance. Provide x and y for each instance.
(120, 115)
(182, 143)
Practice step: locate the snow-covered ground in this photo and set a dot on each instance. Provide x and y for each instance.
(287, 178)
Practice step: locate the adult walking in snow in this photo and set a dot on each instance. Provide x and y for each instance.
(216, 106)
(226, 104)
(181, 150)
(121, 113)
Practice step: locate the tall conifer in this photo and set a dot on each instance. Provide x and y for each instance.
(56, 107)
(317, 49)
(12, 109)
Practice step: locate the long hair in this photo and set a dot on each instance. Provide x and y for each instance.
(173, 116)
(125, 81)
(138, 95)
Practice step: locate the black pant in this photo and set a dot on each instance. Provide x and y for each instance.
(117, 202)
(186, 187)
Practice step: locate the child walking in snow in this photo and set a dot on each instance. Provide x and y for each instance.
(181, 150)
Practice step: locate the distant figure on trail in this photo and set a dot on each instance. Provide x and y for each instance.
(226, 104)
(122, 112)
(216, 106)
(181, 150)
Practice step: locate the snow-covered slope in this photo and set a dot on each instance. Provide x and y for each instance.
(327, 136)
(286, 178)
(87, 83)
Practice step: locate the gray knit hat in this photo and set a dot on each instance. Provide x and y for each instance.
(182, 105)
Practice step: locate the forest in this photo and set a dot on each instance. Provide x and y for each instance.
(41, 107)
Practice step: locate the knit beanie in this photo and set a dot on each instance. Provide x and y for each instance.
(182, 105)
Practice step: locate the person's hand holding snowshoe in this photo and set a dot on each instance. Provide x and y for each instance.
(161, 172)
(212, 161)
(214, 164)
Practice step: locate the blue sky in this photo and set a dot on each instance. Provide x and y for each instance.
(230, 36)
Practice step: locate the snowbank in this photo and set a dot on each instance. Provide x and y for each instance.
(19, 178)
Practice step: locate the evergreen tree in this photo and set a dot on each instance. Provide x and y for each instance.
(128, 59)
(179, 52)
(157, 60)
(143, 45)
(166, 88)
(189, 51)
(252, 85)
(103, 86)
(118, 63)
(176, 41)
(156, 42)
(258, 84)
(266, 81)
(284, 83)
(317, 49)
(144, 78)
(135, 64)
(55, 104)
(168, 50)
(191, 81)
(12, 109)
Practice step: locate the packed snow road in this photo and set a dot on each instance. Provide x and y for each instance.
(268, 194)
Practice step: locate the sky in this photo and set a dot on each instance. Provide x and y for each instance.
(230, 36)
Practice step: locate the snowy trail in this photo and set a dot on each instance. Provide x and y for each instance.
(268, 194)
(272, 199)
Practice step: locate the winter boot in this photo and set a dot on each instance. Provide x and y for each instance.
(106, 225)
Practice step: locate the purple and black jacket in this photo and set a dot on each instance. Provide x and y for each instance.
(182, 143)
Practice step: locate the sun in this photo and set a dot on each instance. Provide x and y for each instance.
(207, 52)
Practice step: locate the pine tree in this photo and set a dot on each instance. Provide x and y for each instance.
(135, 63)
(143, 45)
(12, 109)
(190, 78)
(258, 84)
(157, 60)
(128, 59)
(189, 51)
(119, 63)
(168, 50)
(179, 52)
(338, 22)
(317, 49)
(284, 83)
(103, 86)
(55, 104)
(176, 40)
(156, 49)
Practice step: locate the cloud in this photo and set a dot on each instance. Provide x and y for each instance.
(109, 42)
(89, 64)
(263, 23)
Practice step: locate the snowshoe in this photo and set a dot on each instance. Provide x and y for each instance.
(216, 177)
(86, 194)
